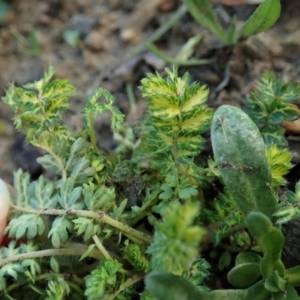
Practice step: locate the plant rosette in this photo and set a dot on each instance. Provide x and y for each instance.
(4, 209)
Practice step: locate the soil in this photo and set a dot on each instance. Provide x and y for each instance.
(109, 52)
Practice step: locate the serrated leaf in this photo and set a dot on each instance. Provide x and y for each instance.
(262, 19)
(12, 270)
(60, 230)
(69, 195)
(101, 279)
(188, 192)
(93, 108)
(273, 135)
(39, 108)
(268, 106)
(96, 198)
(33, 266)
(176, 239)
(118, 211)
(86, 226)
(27, 225)
(280, 164)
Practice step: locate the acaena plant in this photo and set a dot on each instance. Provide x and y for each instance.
(97, 223)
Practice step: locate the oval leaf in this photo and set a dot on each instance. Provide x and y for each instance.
(262, 19)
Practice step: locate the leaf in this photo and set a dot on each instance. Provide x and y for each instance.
(38, 106)
(176, 240)
(54, 265)
(69, 195)
(268, 106)
(280, 164)
(42, 195)
(166, 286)
(12, 270)
(244, 275)
(188, 48)
(96, 198)
(262, 19)
(202, 12)
(27, 225)
(33, 266)
(101, 279)
(136, 257)
(86, 226)
(87, 252)
(290, 293)
(92, 109)
(57, 289)
(224, 260)
(274, 283)
(176, 118)
(60, 230)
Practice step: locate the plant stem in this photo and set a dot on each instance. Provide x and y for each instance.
(74, 250)
(176, 61)
(99, 215)
(92, 134)
(132, 280)
(101, 247)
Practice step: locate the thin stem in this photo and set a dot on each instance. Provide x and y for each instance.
(101, 247)
(176, 61)
(99, 215)
(131, 281)
(160, 31)
(92, 134)
(74, 250)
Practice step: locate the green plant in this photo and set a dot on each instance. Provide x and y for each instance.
(82, 212)
(99, 222)
(268, 106)
(28, 44)
(262, 19)
(239, 152)
(202, 11)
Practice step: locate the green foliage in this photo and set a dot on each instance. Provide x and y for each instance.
(269, 105)
(28, 44)
(262, 19)
(102, 280)
(97, 223)
(28, 225)
(134, 254)
(176, 107)
(57, 289)
(279, 161)
(236, 142)
(224, 213)
(38, 106)
(176, 240)
(289, 208)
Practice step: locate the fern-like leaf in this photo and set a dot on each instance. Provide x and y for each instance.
(268, 105)
(176, 239)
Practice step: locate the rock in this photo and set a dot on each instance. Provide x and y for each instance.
(95, 40)
(82, 23)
